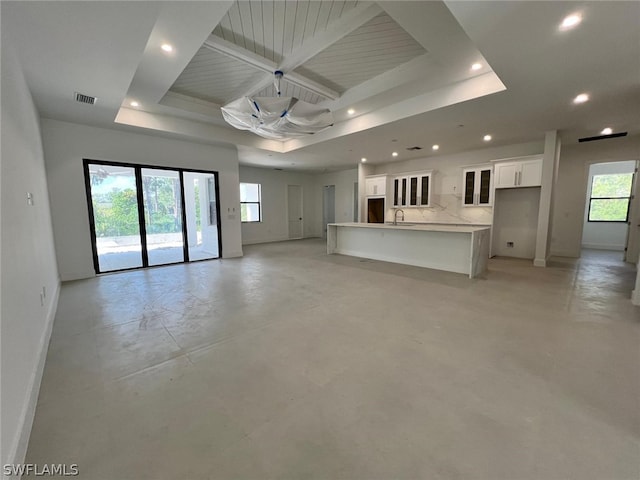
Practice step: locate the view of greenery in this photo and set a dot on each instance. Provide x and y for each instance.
(116, 212)
(610, 197)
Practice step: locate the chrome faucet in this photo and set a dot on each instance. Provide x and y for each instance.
(395, 215)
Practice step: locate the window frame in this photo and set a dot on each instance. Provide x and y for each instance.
(258, 203)
(592, 198)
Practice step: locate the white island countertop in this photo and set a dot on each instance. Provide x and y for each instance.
(428, 227)
(454, 248)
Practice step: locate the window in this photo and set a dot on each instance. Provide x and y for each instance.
(250, 210)
(610, 195)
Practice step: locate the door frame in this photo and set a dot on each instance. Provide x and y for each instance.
(633, 217)
(324, 217)
(141, 220)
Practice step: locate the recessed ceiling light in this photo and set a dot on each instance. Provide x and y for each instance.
(435, 147)
(583, 97)
(166, 47)
(351, 111)
(476, 66)
(394, 154)
(134, 104)
(607, 131)
(363, 159)
(571, 21)
(487, 138)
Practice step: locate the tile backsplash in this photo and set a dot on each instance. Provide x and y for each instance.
(445, 208)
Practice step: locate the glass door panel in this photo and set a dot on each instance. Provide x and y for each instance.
(163, 216)
(200, 200)
(116, 224)
(413, 195)
(469, 187)
(485, 187)
(424, 197)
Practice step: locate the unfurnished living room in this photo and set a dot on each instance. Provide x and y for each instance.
(322, 239)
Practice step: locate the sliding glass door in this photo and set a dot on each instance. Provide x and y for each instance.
(201, 206)
(116, 226)
(163, 216)
(148, 216)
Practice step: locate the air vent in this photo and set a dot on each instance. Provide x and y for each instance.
(85, 99)
(414, 148)
(602, 137)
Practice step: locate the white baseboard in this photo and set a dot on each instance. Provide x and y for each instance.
(601, 246)
(278, 238)
(565, 253)
(68, 277)
(18, 450)
(540, 262)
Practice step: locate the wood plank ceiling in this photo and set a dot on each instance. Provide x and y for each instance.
(274, 31)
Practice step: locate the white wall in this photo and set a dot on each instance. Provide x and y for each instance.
(516, 220)
(571, 187)
(274, 226)
(603, 235)
(447, 190)
(66, 144)
(28, 262)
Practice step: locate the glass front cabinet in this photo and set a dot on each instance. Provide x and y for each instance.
(477, 182)
(412, 190)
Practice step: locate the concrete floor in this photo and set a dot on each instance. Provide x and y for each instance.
(289, 363)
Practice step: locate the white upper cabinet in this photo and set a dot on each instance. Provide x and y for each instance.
(477, 182)
(518, 173)
(375, 185)
(411, 189)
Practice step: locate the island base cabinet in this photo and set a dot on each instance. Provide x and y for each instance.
(463, 251)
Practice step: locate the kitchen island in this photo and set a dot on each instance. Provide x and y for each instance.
(453, 248)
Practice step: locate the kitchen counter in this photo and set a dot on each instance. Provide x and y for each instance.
(454, 248)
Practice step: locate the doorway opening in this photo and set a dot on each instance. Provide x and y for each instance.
(328, 207)
(142, 216)
(608, 207)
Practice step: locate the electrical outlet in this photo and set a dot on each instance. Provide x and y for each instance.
(510, 244)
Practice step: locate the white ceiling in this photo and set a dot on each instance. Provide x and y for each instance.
(404, 67)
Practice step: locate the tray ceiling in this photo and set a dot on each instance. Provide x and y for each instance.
(419, 90)
(269, 33)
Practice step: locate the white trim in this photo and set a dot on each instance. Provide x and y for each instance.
(234, 254)
(19, 444)
(231, 50)
(635, 294)
(603, 246)
(537, 156)
(540, 262)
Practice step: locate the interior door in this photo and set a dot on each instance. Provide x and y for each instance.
(294, 203)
